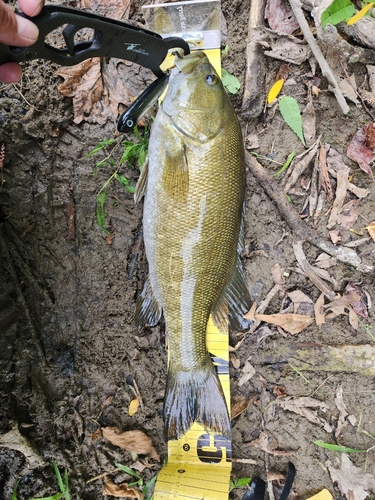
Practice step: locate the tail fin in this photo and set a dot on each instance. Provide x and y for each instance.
(195, 396)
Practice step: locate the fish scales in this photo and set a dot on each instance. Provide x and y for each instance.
(195, 191)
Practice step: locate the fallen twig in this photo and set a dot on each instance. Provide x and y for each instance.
(252, 103)
(302, 231)
(326, 70)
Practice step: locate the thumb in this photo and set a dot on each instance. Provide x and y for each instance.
(14, 29)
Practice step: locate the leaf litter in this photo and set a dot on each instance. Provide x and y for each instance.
(134, 441)
(95, 84)
(353, 482)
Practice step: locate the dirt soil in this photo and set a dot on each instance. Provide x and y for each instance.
(69, 348)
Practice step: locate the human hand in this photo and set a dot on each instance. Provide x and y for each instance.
(18, 31)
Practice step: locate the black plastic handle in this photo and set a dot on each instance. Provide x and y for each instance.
(111, 38)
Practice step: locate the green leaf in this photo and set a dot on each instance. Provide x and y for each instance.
(66, 479)
(230, 82)
(125, 182)
(100, 146)
(338, 11)
(58, 475)
(53, 497)
(225, 51)
(336, 447)
(289, 110)
(128, 470)
(148, 485)
(243, 481)
(14, 493)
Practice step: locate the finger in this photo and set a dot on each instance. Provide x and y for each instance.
(10, 72)
(31, 7)
(16, 30)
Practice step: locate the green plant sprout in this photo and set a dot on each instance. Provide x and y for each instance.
(345, 449)
(63, 485)
(299, 373)
(286, 164)
(239, 482)
(139, 482)
(133, 154)
(368, 329)
(230, 82)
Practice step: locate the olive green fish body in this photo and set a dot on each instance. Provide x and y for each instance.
(192, 221)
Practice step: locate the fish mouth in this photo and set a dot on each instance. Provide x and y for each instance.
(188, 64)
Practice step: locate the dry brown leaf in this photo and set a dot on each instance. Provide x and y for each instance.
(15, 441)
(250, 315)
(319, 311)
(352, 481)
(348, 87)
(340, 305)
(135, 441)
(140, 467)
(282, 73)
(370, 135)
(248, 371)
(323, 171)
(359, 152)
(96, 89)
(357, 299)
(97, 434)
(121, 490)
(277, 273)
(292, 323)
(302, 304)
(349, 214)
(342, 186)
(238, 405)
(302, 406)
(335, 236)
(297, 296)
(280, 17)
(94, 84)
(236, 363)
(371, 229)
(325, 261)
(339, 401)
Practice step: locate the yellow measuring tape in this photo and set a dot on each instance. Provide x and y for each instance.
(199, 463)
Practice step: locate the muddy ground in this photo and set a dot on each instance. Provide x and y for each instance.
(68, 344)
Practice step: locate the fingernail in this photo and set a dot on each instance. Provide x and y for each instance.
(27, 29)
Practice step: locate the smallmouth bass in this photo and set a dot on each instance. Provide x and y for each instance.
(194, 188)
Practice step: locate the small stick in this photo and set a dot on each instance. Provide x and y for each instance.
(244, 461)
(326, 70)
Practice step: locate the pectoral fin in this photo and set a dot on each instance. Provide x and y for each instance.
(140, 188)
(148, 310)
(176, 173)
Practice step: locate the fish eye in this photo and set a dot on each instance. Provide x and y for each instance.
(211, 79)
